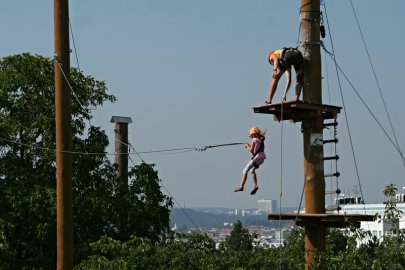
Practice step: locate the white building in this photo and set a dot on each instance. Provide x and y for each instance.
(379, 228)
(268, 206)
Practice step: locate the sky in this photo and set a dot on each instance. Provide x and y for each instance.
(189, 72)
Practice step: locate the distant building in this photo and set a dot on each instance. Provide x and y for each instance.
(267, 206)
(378, 228)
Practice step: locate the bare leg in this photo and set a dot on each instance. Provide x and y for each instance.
(254, 178)
(298, 86)
(242, 183)
(273, 87)
(255, 187)
(274, 84)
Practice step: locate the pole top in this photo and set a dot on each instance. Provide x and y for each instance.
(120, 119)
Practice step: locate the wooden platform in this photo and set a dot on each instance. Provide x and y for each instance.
(297, 111)
(327, 220)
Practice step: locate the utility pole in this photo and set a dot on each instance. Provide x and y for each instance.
(121, 161)
(64, 207)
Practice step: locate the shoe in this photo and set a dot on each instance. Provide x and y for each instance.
(238, 189)
(267, 102)
(254, 191)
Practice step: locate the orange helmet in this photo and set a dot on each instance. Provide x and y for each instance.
(270, 61)
(254, 130)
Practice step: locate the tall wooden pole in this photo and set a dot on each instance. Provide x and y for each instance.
(313, 130)
(64, 206)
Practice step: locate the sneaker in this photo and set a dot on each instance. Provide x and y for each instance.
(254, 191)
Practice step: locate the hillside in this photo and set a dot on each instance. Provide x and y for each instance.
(188, 218)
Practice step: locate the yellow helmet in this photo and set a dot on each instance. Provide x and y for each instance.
(254, 130)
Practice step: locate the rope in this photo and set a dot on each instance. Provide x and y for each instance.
(367, 107)
(334, 136)
(281, 170)
(68, 83)
(376, 80)
(344, 108)
(216, 145)
(343, 102)
(184, 149)
(330, 132)
(130, 146)
(298, 209)
(74, 44)
(174, 199)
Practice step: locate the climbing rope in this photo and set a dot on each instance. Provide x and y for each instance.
(174, 199)
(184, 149)
(281, 171)
(74, 44)
(287, 241)
(343, 103)
(376, 80)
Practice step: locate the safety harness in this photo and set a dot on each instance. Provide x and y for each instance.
(284, 50)
(261, 148)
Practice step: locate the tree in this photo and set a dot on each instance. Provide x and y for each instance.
(148, 208)
(110, 254)
(240, 239)
(27, 169)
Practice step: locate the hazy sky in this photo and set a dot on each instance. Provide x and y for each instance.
(189, 73)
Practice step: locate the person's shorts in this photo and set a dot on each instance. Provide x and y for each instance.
(292, 57)
(253, 165)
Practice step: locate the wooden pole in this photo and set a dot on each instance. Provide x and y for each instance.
(64, 206)
(121, 161)
(313, 130)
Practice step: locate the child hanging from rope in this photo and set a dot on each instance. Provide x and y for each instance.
(257, 150)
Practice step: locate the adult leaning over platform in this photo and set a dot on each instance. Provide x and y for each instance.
(282, 60)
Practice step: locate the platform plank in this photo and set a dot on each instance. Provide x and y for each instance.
(327, 220)
(297, 111)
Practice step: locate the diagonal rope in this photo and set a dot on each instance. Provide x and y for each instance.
(344, 105)
(70, 86)
(376, 80)
(330, 132)
(174, 199)
(367, 107)
(74, 44)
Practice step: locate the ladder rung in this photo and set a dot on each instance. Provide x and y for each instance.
(332, 157)
(329, 192)
(333, 124)
(331, 141)
(336, 174)
(333, 208)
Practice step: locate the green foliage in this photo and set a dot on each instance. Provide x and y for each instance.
(147, 207)
(137, 253)
(371, 253)
(391, 213)
(292, 253)
(239, 240)
(27, 170)
(188, 252)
